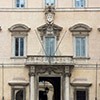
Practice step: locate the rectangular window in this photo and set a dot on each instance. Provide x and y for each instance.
(18, 93)
(80, 46)
(81, 94)
(50, 46)
(50, 2)
(19, 46)
(20, 3)
(79, 3)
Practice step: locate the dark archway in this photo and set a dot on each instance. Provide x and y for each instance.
(56, 82)
(19, 95)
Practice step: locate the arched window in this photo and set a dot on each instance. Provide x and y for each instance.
(19, 33)
(80, 33)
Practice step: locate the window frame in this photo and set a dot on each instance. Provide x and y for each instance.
(81, 89)
(13, 92)
(86, 46)
(13, 46)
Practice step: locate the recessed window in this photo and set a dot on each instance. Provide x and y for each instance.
(81, 94)
(50, 2)
(20, 3)
(19, 43)
(18, 94)
(80, 46)
(79, 3)
(50, 45)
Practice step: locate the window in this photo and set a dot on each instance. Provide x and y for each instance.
(80, 46)
(50, 45)
(50, 2)
(18, 94)
(20, 3)
(79, 3)
(81, 94)
(19, 46)
(19, 34)
(80, 34)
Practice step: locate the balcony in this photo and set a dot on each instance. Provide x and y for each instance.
(38, 60)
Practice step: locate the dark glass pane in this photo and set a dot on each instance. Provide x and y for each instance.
(16, 46)
(19, 95)
(21, 46)
(80, 95)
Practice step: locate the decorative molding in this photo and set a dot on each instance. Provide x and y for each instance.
(80, 82)
(19, 28)
(50, 70)
(80, 28)
(18, 82)
(50, 13)
(49, 29)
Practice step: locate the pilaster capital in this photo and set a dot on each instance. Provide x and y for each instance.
(67, 72)
(32, 71)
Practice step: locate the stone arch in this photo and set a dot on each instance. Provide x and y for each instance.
(19, 28)
(80, 28)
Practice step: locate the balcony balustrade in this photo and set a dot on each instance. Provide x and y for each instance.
(49, 60)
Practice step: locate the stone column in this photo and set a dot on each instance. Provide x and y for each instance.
(67, 85)
(32, 83)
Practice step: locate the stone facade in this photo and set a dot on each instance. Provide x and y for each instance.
(74, 74)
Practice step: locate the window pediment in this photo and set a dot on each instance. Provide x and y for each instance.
(19, 28)
(49, 28)
(80, 28)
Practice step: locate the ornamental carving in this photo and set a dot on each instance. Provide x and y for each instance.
(57, 70)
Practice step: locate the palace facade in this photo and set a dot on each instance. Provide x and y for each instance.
(52, 44)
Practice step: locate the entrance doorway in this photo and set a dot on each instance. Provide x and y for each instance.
(53, 85)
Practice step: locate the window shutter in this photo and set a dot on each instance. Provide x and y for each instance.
(50, 2)
(17, 3)
(49, 46)
(77, 46)
(21, 46)
(77, 3)
(82, 3)
(83, 47)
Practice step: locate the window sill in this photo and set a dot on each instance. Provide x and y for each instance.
(81, 57)
(23, 57)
